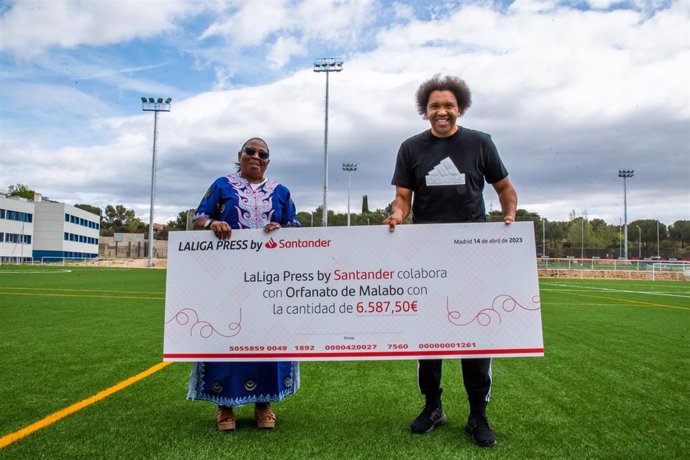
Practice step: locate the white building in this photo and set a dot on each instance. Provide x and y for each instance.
(16, 229)
(46, 230)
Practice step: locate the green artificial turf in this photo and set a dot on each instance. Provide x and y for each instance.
(613, 383)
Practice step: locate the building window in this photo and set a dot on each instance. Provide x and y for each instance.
(16, 238)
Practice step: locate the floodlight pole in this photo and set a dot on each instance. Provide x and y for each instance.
(582, 237)
(152, 105)
(349, 167)
(326, 65)
(625, 174)
(543, 236)
(658, 254)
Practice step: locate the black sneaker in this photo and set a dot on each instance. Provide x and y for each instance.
(428, 419)
(478, 427)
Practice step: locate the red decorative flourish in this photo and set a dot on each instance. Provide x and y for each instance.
(483, 318)
(206, 329)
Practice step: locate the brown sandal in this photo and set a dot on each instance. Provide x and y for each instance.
(264, 416)
(225, 419)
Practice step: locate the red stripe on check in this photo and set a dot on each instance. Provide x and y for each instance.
(372, 354)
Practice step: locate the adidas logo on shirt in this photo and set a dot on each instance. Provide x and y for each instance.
(445, 173)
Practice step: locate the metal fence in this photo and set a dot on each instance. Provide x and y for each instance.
(133, 250)
(613, 269)
(573, 263)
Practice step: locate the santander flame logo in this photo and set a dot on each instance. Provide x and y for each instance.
(271, 244)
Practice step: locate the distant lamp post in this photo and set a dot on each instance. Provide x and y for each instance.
(582, 237)
(349, 168)
(639, 242)
(658, 254)
(625, 174)
(583, 217)
(326, 65)
(153, 105)
(543, 236)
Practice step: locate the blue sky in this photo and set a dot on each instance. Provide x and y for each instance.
(570, 91)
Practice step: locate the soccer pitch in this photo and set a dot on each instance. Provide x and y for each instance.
(614, 382)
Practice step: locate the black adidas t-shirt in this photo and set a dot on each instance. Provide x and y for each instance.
(447, 175)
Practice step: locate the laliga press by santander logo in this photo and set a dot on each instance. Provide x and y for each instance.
(298, 243)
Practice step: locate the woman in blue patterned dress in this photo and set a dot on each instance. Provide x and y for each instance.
(245, 199)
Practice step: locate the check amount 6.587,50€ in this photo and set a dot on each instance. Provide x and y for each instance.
(386, 307)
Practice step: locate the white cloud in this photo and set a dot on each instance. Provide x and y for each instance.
(569, 96)
(284, 49)
(532, 6)
(343, 20)
(403, 12)
(250, 23)
(289, 26)
(31, 26)
(574, 64)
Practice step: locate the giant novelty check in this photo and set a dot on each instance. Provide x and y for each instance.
(353, 293)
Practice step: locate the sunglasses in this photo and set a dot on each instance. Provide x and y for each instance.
(250, 151)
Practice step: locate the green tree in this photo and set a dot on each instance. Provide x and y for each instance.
(603, 236)
(119, 219)
(308, 218)
(494, 216)
(89, 208)
(21, 190)
(372, 218)
(337, 219)
(365, 204)
(180, 223)
(679, 231)
(648, 232)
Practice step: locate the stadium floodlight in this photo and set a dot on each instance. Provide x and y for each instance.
(168, 100)
(326, 65)
(349, 167)
(625, 174)
(152, 106)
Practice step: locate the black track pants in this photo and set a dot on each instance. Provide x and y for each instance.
(476, 375)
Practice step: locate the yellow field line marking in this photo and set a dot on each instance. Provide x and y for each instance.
(54, 417)
(77, 295)
(634, 302)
